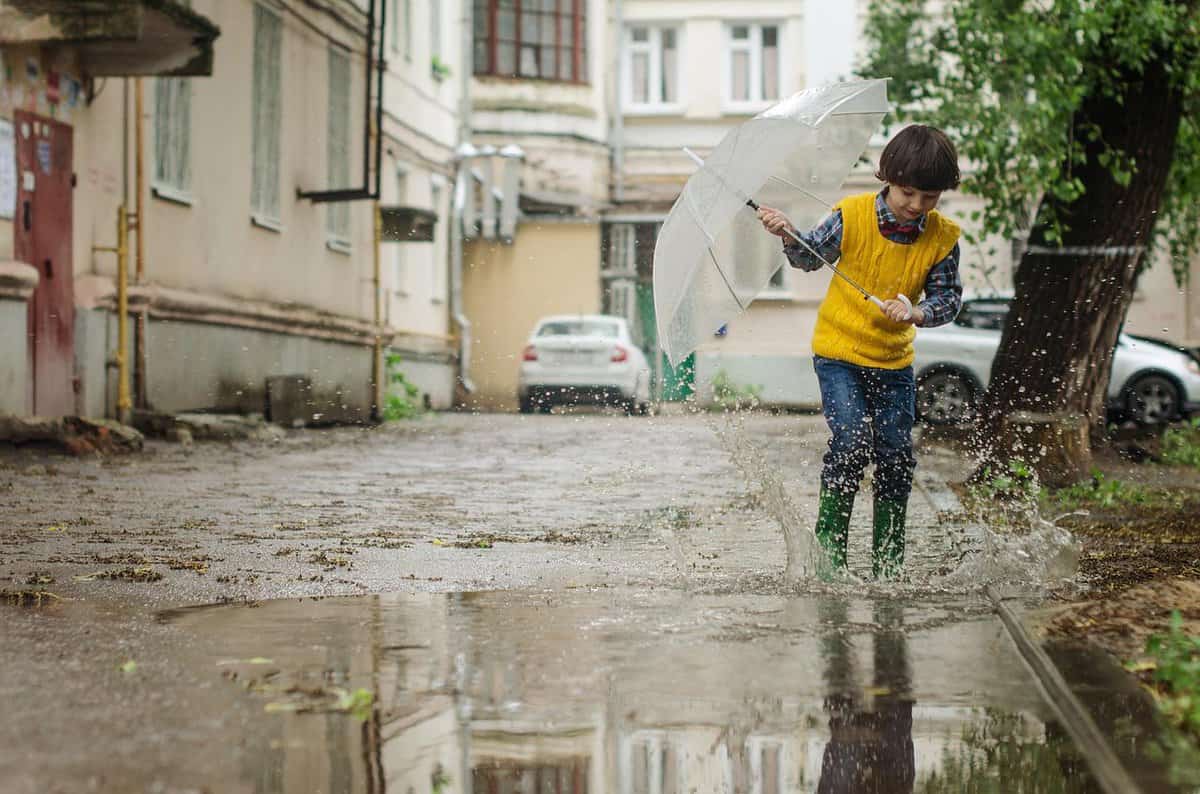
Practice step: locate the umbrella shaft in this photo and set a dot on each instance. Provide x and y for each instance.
(829, 265)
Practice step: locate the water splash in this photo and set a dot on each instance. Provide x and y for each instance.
(805, 558)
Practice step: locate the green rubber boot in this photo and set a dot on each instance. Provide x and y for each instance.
(888, 546)
(833, 525)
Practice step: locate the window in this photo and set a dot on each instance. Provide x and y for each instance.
(651, 66)
(399, 250)
(542, 39)
(408, 39)
(753, 72)
(394, 29)
(172, 136)
(435, 30)
(337, 218)
(437, 190)
(267, 112)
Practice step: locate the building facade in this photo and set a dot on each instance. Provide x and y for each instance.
(241, 272)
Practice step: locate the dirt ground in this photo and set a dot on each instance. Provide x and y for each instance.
(1139, 543)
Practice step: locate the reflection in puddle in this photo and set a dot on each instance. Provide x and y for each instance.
(634, 692)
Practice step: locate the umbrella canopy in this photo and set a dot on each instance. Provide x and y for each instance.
(712, 256)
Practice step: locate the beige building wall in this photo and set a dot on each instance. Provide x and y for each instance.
(552, 267)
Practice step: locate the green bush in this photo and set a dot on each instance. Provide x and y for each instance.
(731, 396)
(403, 400)
(1181, 445)
(1101, 492)
(1175, 660)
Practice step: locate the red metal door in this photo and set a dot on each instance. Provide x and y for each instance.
(43, 239)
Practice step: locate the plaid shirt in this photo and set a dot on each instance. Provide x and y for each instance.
(943, 286)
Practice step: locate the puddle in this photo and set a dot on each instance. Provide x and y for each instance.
(631, 691)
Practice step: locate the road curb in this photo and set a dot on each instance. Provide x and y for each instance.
(1108, 771)
(1106, 768)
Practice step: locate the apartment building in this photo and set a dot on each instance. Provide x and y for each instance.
(249, 171)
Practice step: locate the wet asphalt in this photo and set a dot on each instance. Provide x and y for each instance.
(586, 602)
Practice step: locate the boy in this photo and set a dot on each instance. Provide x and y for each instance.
(889, 242)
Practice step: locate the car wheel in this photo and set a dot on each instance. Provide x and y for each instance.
(1152, 400)
(945, 398)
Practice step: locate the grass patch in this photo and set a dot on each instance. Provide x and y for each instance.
(1181, 445)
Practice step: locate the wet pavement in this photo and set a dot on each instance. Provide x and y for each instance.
(494, 603)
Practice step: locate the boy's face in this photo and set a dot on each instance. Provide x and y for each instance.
(908, 203)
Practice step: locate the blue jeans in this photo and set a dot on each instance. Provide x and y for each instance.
(870, 413)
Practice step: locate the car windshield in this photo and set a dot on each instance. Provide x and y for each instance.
(987, 315)
(605, 328)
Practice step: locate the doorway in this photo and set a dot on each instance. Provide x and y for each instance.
(43, 238)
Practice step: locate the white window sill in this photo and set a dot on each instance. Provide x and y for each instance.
(653, 110)
(172, 194)
(339, 246)
(263, 222)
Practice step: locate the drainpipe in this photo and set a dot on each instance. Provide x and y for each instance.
(121, 249)
(618, 121)
(377, 374)
(139, 329)
(462, 183)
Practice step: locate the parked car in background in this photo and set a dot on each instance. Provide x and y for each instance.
(1151, 381)
(583, 359)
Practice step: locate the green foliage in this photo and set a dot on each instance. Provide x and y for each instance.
(1006, 78)
(731, 396)
(403, 399)
(357, 703)
(1175, 660)
(1181, 445)
(1101, 492)
(1005, 496)
(438, 69)
(1000, 754)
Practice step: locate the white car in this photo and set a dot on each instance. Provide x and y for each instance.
(1151, 381)
(576, 359)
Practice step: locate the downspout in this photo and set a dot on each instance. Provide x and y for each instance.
(377, 373)
(139, 186)
(462, 183)
(618, 120)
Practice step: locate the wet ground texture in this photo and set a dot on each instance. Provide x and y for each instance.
(493, 603)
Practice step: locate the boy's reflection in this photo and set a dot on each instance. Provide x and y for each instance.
(870, 747)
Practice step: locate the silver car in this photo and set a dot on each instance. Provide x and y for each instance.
(583, 359)
(1151, 381)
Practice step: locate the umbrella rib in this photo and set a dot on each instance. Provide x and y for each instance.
(728, 286)
(794, 186)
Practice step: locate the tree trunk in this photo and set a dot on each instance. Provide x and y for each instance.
(1071, 299)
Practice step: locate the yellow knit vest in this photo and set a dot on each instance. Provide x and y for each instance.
(852, 329)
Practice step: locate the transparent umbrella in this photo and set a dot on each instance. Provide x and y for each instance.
(712, 256)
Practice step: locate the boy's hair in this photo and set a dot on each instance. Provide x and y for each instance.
(921, 157)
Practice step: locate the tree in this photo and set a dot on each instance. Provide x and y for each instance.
(1082, 119)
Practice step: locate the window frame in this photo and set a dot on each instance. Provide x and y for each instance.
(338, 225)
(271, 115)
(756, 101)
(578, 48)
(654, 49)
(171, 123)
(438, 193)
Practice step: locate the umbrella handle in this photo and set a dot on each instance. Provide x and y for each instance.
(901, 297)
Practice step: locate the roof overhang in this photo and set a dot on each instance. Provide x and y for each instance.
(116, 38)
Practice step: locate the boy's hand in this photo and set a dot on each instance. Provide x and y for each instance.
(776, 222)
(898, 312)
